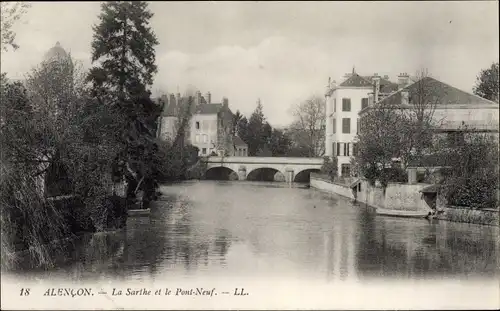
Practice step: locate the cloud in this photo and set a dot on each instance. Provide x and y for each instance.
(278, 71)
(281, 52)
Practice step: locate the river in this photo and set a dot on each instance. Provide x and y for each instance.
(265, 231)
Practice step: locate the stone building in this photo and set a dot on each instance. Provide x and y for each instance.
(343, 103)
(210, 125)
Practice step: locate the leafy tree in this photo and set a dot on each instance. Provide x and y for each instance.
(279, 143)
(124, 64)
(472, 180)
(487, 83)
(10, 12)
(329, 167)
(255, 138)
(242, 129)
(237, 117)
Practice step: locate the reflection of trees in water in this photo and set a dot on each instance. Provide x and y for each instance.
(188, 243)
(99, 254)
(404, 248)
(222, 243)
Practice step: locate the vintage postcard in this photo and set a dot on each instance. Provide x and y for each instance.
(249, 155)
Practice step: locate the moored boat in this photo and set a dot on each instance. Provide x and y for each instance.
(139, 212)
(403, 213)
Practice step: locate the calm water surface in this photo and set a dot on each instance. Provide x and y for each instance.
(272, 230)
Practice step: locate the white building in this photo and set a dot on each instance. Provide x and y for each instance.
(343, 103)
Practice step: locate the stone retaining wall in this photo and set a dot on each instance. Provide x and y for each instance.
(404, 197)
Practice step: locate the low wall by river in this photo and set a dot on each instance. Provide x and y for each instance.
(397, 196)
(332, 187)
(400, 196)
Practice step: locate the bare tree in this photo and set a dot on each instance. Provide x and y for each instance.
(400, 129)
(308, 127)
(418, 111)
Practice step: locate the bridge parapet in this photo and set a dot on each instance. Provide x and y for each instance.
(266, 160)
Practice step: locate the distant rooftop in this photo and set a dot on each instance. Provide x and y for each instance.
(56, 52)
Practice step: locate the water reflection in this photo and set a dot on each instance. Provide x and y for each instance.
(266, 230)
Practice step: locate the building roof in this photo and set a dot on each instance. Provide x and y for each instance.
(444, 94)
(56, 52)
(237, 141)
(386, 86)
(209, 108)
(356, 80)
(447, 95)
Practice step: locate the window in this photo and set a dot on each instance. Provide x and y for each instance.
(221, 122)
(334, 104)
(204, 151)
(346, 104)
(346, 125)
(346, 149)
(338, 149)
(359, 187)
(345, 170)
(357, 125)
(197, 138)
(334, 149)
(364, 103)
(197, 125)
(205, 138)
(334, 126)
(355, 149)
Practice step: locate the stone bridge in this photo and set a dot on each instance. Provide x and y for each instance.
(262, 168)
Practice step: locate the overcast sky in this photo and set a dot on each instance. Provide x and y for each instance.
(282, 52)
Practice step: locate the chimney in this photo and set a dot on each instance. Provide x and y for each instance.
(225, 102)
(172, 101)
(403, 80)
(376, 87)
(208, 98)
(198, 98)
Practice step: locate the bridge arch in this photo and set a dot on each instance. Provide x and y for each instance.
(265, 174)
(221, 173)
(305, 175)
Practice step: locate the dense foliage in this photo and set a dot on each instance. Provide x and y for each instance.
(487, 83)
(472, 180)
(124, 64)
(330, 167)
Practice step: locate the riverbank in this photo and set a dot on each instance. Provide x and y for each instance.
(405, 197)
(54, 222)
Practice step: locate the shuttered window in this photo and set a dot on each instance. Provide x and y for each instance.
(346, 104)
(346, 125)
